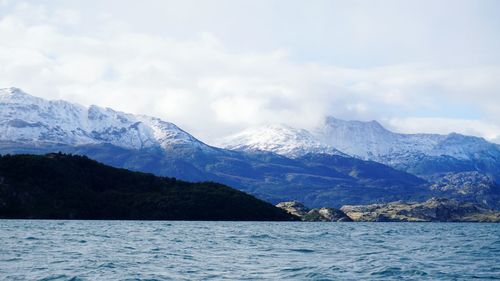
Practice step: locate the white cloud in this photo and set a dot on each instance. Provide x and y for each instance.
(211, 90)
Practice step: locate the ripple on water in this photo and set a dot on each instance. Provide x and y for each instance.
(262, 236)
(120, 250)
(302, 250)
(31, 238)
(60, 277)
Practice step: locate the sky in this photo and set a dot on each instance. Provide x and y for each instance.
(217, 67)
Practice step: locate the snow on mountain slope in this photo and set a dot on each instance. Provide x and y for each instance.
(371, 141)
(28, 119)
(280, 139)
(416, 153)
(25, 118)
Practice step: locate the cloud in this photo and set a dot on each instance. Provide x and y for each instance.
(211, 90)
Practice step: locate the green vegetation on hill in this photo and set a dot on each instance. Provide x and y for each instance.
(61, 186)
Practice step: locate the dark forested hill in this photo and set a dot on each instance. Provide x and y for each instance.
(60, 186)
(317, 180)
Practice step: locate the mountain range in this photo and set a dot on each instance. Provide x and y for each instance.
(420, 154)
(338, 163)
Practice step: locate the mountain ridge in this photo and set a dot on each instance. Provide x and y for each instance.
(420, 154)
(280, 139)
(62, 122)
(315, 175)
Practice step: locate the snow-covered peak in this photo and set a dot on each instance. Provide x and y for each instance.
(169, 135)
(278, 138)
(370, 140)
(362, 139)
(25, 118)
(365, 140)
(354, 125)
(11, 91)
(16, 95)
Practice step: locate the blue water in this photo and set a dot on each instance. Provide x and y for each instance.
(132, 250)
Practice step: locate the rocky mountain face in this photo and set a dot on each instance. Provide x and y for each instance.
(319, 214)
(434, 209)
(468, 186)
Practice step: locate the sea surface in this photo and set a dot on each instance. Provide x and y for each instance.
(138, 250)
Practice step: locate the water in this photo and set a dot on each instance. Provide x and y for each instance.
(132, 250)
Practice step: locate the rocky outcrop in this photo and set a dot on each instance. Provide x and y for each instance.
(322, 214)
(432, 210)
(327, 215)
(293, 207)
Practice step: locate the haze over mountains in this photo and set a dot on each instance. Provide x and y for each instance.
(340, 162)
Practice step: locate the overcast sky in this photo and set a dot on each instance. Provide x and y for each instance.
(216, 67)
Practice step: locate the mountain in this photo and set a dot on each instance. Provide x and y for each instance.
(420, 154)
(280, 139)
(141, 143)
(25, 118)
(58, 186)
(425, 155)
(456, 166)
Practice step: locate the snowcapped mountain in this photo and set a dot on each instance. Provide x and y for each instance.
(371, 141)
(314, 171)
(280, 139)
(364, 140)
(29, 119)
(420, 154)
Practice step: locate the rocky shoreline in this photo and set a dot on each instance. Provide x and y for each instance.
(432, 210)
(319, 214)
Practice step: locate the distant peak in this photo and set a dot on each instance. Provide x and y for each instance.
(280, 126)
(455, 135)
(274, 130)
(14, 93)
(375, 122)
(372, 123)
(331, 119)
